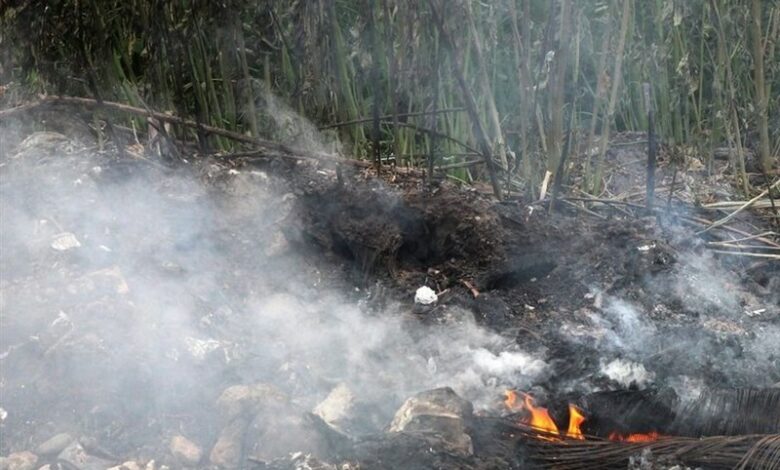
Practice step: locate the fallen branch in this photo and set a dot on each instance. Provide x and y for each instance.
(470, 287)
(726, 205)
(268, 146)
(744, 206)
(389, 117)
(748, 254)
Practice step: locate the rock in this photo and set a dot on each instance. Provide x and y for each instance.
(243, 400)
(129, 465)
(65, 241)
(185, 451)
(226, 453)
(337, 407)
(135, 465)
(41, 143)
(440, 412)
(20, 461)
(276, 244)
(54, 445)
(76, 456)
(425, 296)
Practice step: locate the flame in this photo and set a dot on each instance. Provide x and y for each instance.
(638, 437)
(539, 419)
(511, 399)
(576, 418)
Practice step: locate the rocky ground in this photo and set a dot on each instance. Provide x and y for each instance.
(261, 313)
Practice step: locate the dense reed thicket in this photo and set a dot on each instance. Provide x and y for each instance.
(426, 82)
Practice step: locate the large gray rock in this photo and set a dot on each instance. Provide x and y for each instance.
(228, 450)
(440, 412)
(76, 456)
(54, 445)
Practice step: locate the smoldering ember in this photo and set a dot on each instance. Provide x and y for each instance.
(342, 235)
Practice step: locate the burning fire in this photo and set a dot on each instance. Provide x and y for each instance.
(648, 437)
(539, 418)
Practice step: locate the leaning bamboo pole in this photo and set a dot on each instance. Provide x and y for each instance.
(471, 104)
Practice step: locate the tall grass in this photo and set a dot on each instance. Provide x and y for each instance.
(537, 70)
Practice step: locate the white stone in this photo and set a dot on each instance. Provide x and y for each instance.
(185, 451)
(21, 461)
(65, 241)
(337, 406)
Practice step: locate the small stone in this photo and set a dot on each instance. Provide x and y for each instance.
(242, 400)
(21, 461)
(76, 456)
(185, 451)
(226, 453)
(54, 445)
(337, 406)
(65, 241)
(440, 412)
(129, 465)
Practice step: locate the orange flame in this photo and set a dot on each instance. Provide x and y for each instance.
(576, 418)
(639, 437)
(539, 418)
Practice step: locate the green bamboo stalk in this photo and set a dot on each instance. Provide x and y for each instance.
(761, 96)
(499, 143)
(616, 79)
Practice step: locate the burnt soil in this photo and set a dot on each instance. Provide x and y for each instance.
(541, 279)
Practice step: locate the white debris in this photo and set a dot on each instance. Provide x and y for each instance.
(627, 372)
(755, 313)
(646, 247)
(65, 241)
(200, 348)
(425, 296)
(3, 414)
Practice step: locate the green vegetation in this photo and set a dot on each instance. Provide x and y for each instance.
(515, 78)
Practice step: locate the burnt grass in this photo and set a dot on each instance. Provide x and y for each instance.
(535, 271)
(539, 279)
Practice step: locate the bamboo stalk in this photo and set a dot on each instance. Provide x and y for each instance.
(616, 79)
(761, 99)
(471, 105)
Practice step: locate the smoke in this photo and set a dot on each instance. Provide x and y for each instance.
(693, 327)
(131, 293)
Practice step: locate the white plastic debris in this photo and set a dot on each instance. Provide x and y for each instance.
(425, 296)
(65, 241)
(3, 414)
